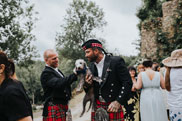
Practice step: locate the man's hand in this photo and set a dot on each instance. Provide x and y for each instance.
(79, 71)
(88, 79)
(114, 106)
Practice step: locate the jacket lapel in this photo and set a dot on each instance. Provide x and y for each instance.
(61, 72)
(106, 69)
(51, 69)
(93, 69)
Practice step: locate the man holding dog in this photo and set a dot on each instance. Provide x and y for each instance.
(56, 86)
(111, 94)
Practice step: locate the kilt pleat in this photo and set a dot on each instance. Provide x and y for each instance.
(118, 116)
(56, 112)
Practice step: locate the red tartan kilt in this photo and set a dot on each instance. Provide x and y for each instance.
(118, 116)
(56, 113)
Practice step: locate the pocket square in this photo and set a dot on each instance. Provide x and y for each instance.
(108, 69)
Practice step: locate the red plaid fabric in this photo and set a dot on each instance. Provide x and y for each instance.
(118, 116)
(96, 45)
(93, 45)
(56, 113)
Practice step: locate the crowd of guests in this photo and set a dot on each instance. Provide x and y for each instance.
(133, 94)
(151, 83)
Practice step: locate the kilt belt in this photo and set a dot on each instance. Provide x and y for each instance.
(113, 116)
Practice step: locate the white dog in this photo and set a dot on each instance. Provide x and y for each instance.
(89, 96)
(81, 64)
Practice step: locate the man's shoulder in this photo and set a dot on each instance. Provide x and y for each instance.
(116, 58)
(47, 70)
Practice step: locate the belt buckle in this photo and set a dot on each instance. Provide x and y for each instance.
(101, 99)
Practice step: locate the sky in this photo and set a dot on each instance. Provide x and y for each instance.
(120, 32)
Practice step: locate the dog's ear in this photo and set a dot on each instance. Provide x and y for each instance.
(85, 64)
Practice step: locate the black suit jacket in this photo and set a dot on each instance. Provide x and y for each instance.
(56, 86)
(116, 83)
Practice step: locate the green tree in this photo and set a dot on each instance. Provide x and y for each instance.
(16, 24)
(30, 77)
(82, 20)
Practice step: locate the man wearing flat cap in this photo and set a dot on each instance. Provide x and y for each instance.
(110, 94)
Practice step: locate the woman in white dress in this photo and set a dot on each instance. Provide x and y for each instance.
(152, 106)
(173, 81)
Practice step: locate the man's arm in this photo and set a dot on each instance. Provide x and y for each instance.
(125, 80)
(49, 79)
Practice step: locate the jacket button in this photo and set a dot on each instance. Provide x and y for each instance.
(119, 96)
(109, 95)
(64, 90)
(112, 84)
(122, 87)
(111, 90)
(121, 92)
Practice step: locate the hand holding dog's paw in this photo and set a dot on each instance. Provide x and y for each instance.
(88, 79)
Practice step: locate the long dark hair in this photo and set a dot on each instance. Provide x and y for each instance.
(130, 68)
(9, 65)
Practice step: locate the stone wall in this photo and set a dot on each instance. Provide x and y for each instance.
(169, 11)
(148, 37)
(149, 46)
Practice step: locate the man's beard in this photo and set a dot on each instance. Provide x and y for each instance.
(93, 58)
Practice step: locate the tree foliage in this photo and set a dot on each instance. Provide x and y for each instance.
(81, 22)
(30, 77)
(16, 24)
(129, 60)
(149, 10)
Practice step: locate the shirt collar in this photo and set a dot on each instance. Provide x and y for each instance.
(52, 67)
(101, 62)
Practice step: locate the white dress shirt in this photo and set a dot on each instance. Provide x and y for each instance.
(100, 66)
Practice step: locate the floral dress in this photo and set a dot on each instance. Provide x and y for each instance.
(132, 108)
